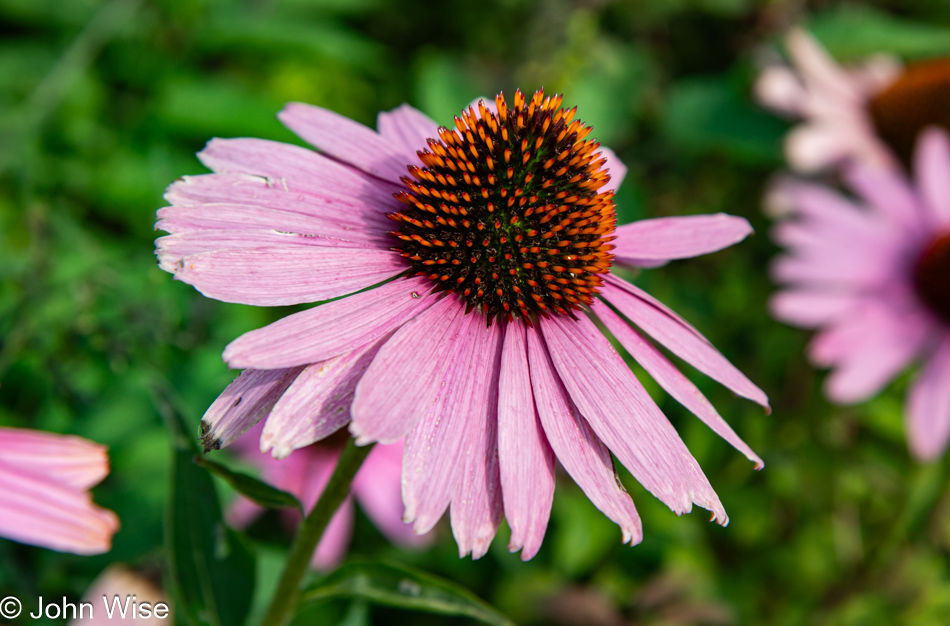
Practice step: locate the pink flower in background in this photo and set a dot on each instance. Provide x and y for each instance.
(832, 102)
(875, 278)
(115, 581)
(305, 474)
(44, 492)
(471, 290)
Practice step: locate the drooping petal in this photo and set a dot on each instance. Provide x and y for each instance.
(778, 88)
(282, 275)
(928, 406)
(403, 380)
(932, 170)
(65, 459)
(477, 506)
(524, 455)
(377, 489)
(679, 237)
(679, 337)
(817, 68)
(242, 404)
(624, 416)
(345, 140)
(672, 380)
(363, 210)
(330, 329)
(317, 403)
(430, 466)
(407, 128)
(41, 512)
(582, 454)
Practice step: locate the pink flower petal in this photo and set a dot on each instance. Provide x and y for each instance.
(346, 140)
(779, 88)
(245, 401)
(282, 275)
(932, 170)
(331, 329)
(868, 349)
(244, 217)
(888, 191)
(377, 489)
(679, 237)
(679, 337)
(408, 129)
(40, 512)
(810, 309)
(625, 418)
(173, 249)
(477, 506)
(317, 403)
(430, 467)
(582, 454)
(363, 209)
(928, 406)
(672, 380)
(302, 174)
(618, 171)
(65, 459)
(818, 69)
(524, 455)
(403, 381)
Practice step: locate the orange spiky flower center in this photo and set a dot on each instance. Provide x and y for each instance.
(932, 276)
(507, 212)
(919, 98)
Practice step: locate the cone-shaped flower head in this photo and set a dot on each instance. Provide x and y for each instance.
(467, 295)
(44, 492)
(874, 277)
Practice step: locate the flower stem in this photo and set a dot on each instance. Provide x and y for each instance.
(310, 531)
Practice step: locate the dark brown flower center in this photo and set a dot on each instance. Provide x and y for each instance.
(506, 211)
(932, 276)
(919, 98)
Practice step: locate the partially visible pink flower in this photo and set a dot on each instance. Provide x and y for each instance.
(832, 103)
(126, 593)
(305, 474)
(874, 277)
(44, 492)
(474, 263)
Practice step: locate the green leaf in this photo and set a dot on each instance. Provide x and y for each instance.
(211, 570)
(401, 587)
(853, 34)
(712, 115)
(251, 488)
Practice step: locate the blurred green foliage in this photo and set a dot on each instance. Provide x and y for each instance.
(103, 103)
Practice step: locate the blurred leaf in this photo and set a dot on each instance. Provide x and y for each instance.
(251, 488)
(211, 571)
(709, 115)
(400, 587)
(854, 33)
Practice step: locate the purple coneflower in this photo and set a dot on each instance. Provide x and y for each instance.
(44, 492)
(305, 474)
(465, 323)
(875, 278)
(869, 113)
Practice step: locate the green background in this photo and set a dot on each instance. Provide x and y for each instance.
(103, 104)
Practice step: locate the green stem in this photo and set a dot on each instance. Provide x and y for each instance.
(310, 531)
